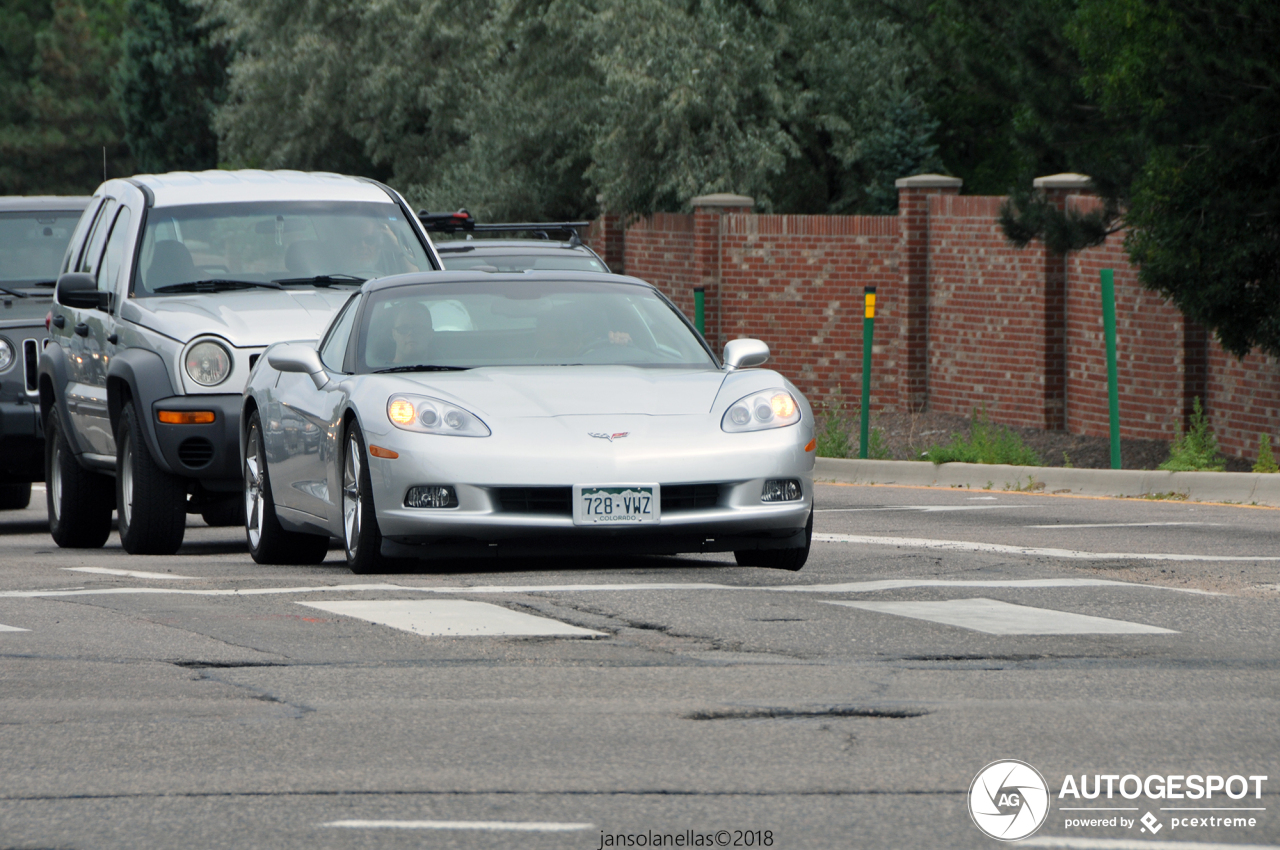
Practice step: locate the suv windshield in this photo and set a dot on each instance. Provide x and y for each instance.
(524, 323)
(32, 244)
(567, 260)
(234, 245)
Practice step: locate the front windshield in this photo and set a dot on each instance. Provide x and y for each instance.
(524, 323)
(275, 242)
(32, 244)
(456, 259)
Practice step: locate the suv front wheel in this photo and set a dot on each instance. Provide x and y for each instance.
(152, 514)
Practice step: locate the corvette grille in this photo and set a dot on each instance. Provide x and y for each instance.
(689, 497)
(536, 500)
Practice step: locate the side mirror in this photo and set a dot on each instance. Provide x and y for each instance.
(299, 358)
(76, 289)
(745, 353)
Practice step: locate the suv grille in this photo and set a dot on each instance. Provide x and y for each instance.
(689, 497)
(536, 500)
(195, 452)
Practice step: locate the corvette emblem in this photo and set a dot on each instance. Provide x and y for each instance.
(609, 437)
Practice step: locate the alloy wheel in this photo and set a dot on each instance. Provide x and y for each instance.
(254, 497)
(351, 509)
(55, 477)
(126, 479)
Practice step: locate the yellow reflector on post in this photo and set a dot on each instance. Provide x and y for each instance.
(871, 305)
(185, 417)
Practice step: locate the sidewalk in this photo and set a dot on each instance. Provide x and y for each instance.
(1244, 488)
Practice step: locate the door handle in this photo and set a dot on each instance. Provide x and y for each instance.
(59, 321)
(81, 329)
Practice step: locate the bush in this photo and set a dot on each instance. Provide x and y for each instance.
(1196, 449)
(986, 443)
(836, 438)
(1266, 460)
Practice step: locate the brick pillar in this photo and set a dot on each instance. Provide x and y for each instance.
(1056, 188)
(607, 237)
(913, 223)
(707, 210)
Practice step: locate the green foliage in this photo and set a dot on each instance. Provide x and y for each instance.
(835, 433)
(533, 108)
(986, 443)
(56, 110)
(1266, 460)
(1196, 448)
(167, 83)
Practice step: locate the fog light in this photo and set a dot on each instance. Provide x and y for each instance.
(781, 490)
(431, 496)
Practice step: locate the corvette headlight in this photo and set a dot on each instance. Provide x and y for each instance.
(208, 364)
(6, 355)
(760, 411)
(432, 416)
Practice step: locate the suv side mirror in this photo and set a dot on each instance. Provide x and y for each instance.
(744, 353)
(299, 358)
(76, 289)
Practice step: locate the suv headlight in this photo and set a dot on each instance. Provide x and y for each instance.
(6, 355)
(208, 363)
(759, 411)
(432, 416)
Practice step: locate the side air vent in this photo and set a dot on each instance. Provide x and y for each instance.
(31, 362)
(689, 497)
(536, 500)
(195, 452)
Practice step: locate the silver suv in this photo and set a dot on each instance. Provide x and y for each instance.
(170, 289)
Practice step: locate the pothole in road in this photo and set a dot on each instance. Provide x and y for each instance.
(766, 713)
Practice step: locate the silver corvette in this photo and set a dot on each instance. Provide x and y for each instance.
(462, 414)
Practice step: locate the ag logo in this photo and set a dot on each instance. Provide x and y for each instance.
(1008, 800)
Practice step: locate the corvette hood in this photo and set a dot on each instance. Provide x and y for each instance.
(245, 318)
(573, 391)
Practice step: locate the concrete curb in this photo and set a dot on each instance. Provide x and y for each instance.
(1245, 488)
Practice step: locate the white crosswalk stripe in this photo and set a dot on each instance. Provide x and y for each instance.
(451, 618)
(1002, 618)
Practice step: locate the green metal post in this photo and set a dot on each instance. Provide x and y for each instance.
(1113, 390)
(700, 309)
(868, 329)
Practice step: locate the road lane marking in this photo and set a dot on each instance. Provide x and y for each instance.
(1073, 843)
(131, 573)
(871, 586)
(452, 618)
(924, 509)
(4, 628)
(1003, 618)
(493, 825)
(1001, 549)
(1118, 524)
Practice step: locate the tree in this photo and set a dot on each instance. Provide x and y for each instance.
(1182, 144)
(58, 118)
(167, 83)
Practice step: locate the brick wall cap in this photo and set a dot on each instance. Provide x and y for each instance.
(1063, 181)
(723, 200)
(928, 181)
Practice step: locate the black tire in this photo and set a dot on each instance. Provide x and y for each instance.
(15, 496)
(224, 513)
(152, 515)
(360, 534)
(778, 559)
(79, 500)
(269, 542)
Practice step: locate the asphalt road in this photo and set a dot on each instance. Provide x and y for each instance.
(204, 701)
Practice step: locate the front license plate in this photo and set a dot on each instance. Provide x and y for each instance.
(621, 504)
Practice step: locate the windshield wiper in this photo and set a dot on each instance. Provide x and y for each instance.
(216, 284)
(323, 280)
(14, 292)
(422, 367)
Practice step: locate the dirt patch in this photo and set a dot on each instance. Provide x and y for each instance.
(906, 436)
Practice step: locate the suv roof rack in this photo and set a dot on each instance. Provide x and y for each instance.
(463, 221)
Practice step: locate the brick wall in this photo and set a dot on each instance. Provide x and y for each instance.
(964, 320)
